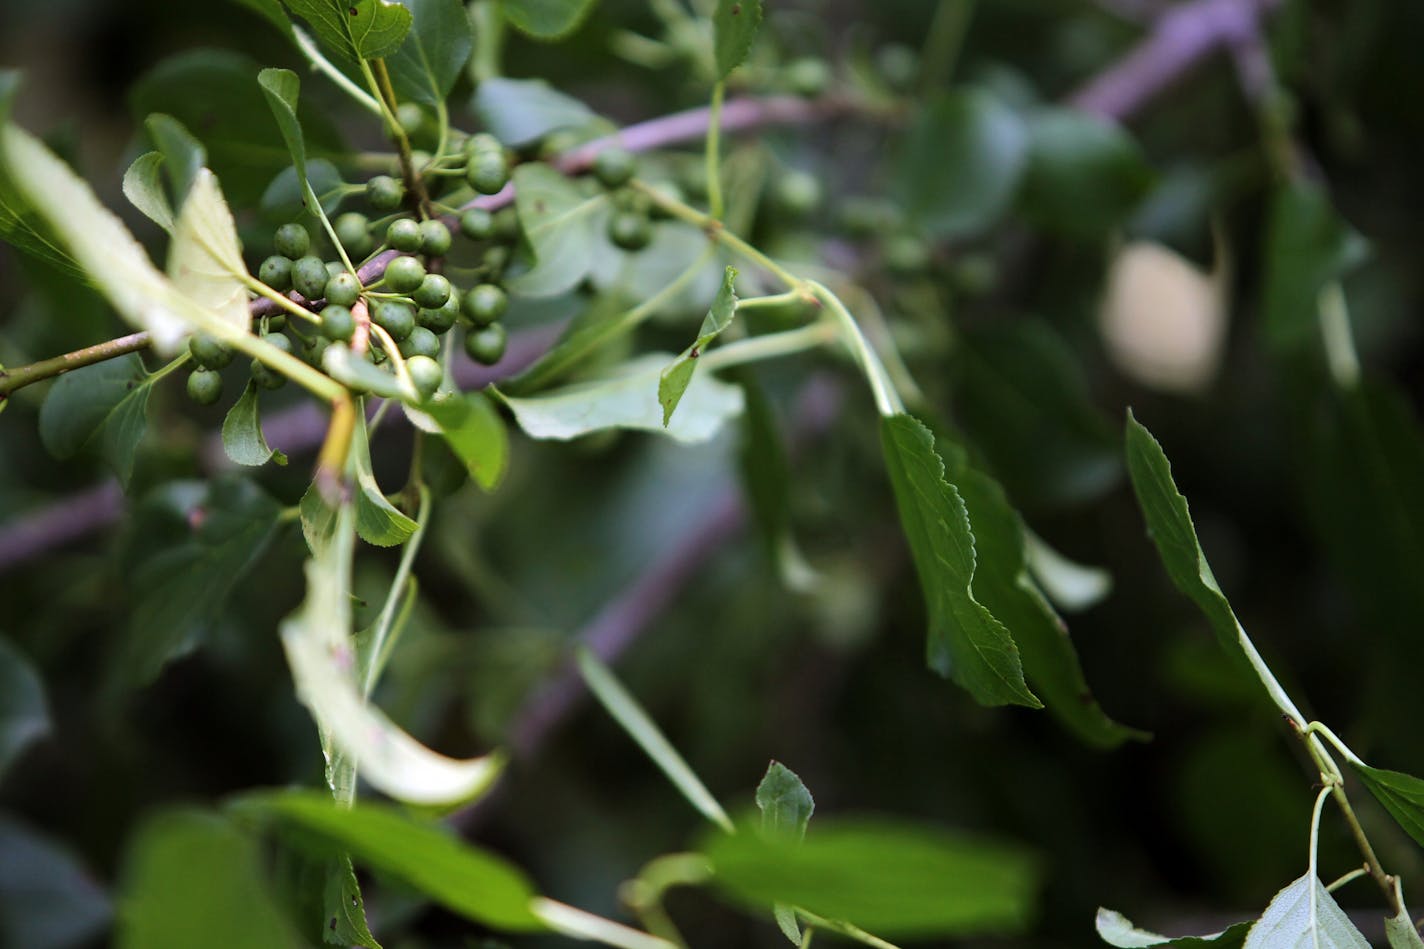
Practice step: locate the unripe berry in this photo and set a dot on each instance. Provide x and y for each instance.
(204, 386)
(614, 167)
(808, 76)
(395, 318)
(338, 322)
(432, 293)
(343, 289)
(385, 193)
(484, 304)
(276, 272)
(309, 276)
(440, 319)
(630, 230)
(420, 342)
(434, 238)
(353, 230)
(477, 224)
(208, 353)
(404, 274)
(486, 346)
(488, 173)
(426, 374)
(404, 235)
(292, 241)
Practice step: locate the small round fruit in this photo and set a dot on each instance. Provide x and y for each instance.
(404, 234)
(486, 345)
(404, 274)
(798, 193)
(204, 386)
(426, 373)
(899, 65)
(292, 240)
(395, 318)
(614, 167)
(315, 348)
(557, 142)
(275, 323)
(477, 224)
(279, 340)
(808, 76)
(264, 376)
(309, 276)
(385, 193)
(410, 116)
(338, 322)
(487, 173)
(630, 230)
(208, 353)
(432, 293)
(906, 254)
(353, 229)
(434, 238)
(495, 259)
(420, 342)
(440, 320)
(343, 289)
(484, 303)
(482, 143)
(276, 272)
(627, 199)
(506, 224)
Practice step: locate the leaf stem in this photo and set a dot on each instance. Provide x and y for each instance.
(336, 449)
(1335, 330)
(382, 642)
(570, 921)
(887, 400)
(387, 96)
(321, 63)
(280, 299)
(945, 39)
(770, 346)
(21, 376)
(714, 150)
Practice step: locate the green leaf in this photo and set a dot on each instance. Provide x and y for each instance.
(561, 226)
(785, 803)
(285, 200)
(627, 712)
(48, 899)
(190, 547)
(192, 878)
(1401, 794)
(963, 160)
(344, 905)
(205, 257)
(675, 378)
(1116, 929)
(377, 520)
(521, 111)
(966, 642)
(282, 89)
(1400, 931)
(1304, 915)
(892, 878)
(476, 434)
(183, 155)
(1085, 174)
(24, 714)
(734, 25)
(21, 225)
(1002, 583)
(424, 855)
(358, 29)
(1307, 246)
(429, 62)
(105, 403)
(628, 399)
(242, 436)
(144, 189)
(356, 371)
(272, 12)
(546, 19)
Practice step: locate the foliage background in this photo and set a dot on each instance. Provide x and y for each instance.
(1317, 550)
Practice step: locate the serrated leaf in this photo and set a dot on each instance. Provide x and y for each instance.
(183, 155)
(675, 378)
(560, 225)
(628, 399)
(321, 652)
(892, 878)
(105, 403)
(345, 907)
(190, 875)
(428, 63)
(1307, 245)
(1401, 794)
(205, 257)
(24, 713)
(242, 436)
(546, 19)
(734, 25)
(521, 111)
(427, 857)
(143, 186)
(359, 29)
(1117, 930)
(377, 520)
(476, 434)
(1304, 915)
(966, 642)
(786, 805)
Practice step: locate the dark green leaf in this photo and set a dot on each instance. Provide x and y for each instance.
(193, 879)
(1401, 794)
(966, 641)
(546, 19)
(1085, 175)
(894, 879)
(242, 432)
(107, 402)
(521, 111)
(429, 62)
(358, 29)
(272, 12)
(963, 160)
(476, 434)
(422, 854)
(676, 377)
(1307, 246)
(48, 899)
(282, 89)
(785, 803)
(24, 714)
(561, 226)
(183, 155)
(735, 24)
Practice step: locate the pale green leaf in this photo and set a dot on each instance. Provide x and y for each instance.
(1071, 586)
(1400, 931)
(205, 258)
(476, 434)
(345, 905)
(144, 189)
(1117, 930)
(675, 378)
(183, 155)
(521, 111)
(735, 24)
(429, 62)
(546, 19)
(628, 399)
(966, 642)
(282, 89)
(1304, 915)
(377, 520)
(242, 436)
(105, 404)
(24, 713)
(560, 225)
(785, 803)
(627, 712)
(358, 372)
(359, 29)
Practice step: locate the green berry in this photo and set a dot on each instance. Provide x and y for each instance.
(411, 117)
(309, 276)
(899, 65)
(506, 224)
(420, 342)
(488, 172)
(434, 238)
(432, 293)
(484, 304)
(315, 348)
(426, 373)
(385, 193)
(477, 224)
(338, 322)
(626, 199)
(208, 353)
(486, 345)
(405, 274)
(798, 193)
(264, 376)
(404, 235)
(275, 323)
(276, 272)
(614, 167)
(440, 319)
(630, 230)
(204, 386)
(482, 143)
(557, 142)
(808, 76)
(495, 259)
(292, 240)
(343, 289)
(395, 318)
(353, 230)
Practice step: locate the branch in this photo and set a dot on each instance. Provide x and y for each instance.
(21, 376)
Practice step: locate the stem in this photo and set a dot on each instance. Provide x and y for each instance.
(489, 40)
(1350, 877)
(569, 921)
(946, 39)
(387, 95)
(844, 929)
(714, 150)
(281, 300)
(1335, 330)
(336, 449)
(382, 643)
(324, 65)
(770, 346)
(887, 400)
(1314, 854)
(21, 376)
